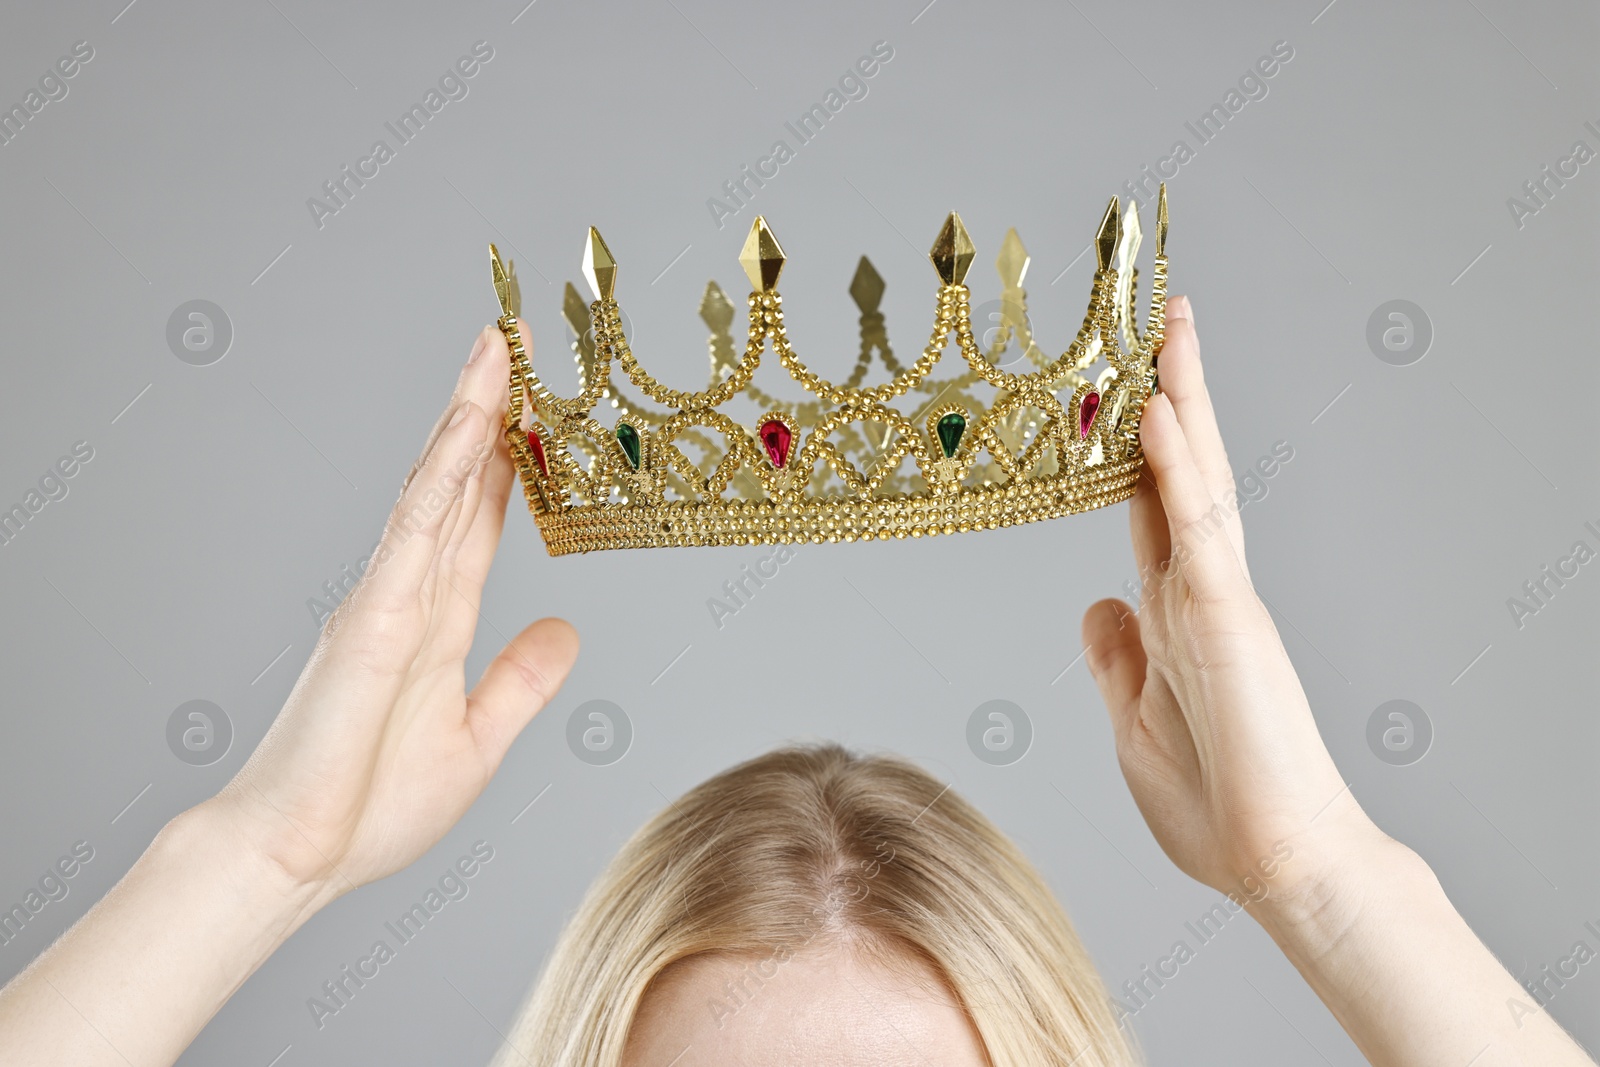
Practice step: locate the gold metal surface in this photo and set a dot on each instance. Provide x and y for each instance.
(598, 266)
(866, 288)
(1161, 221)
(860, 466)
(952, 251)
(1105, 242)
(502, 280)
(762, 257)
(1013, 260)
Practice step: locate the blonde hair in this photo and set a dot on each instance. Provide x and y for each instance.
(816, 845)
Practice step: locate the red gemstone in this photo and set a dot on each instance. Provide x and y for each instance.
(1086, 410)
(775, 438)
(537, 447)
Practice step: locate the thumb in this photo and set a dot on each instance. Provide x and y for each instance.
(520, 681)
(1116, 658)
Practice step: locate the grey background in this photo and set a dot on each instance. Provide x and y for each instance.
(179, 565)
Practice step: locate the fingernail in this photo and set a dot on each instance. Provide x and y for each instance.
(461, 413)
(479, 345)
(1180, 308)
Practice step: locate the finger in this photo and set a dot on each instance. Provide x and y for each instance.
(1116, 658)
(1147, 525)
(456, 597)
(483, 381)
(469, 548)
(476, 554)
(479, 539)
(1196, 522)
(467, 510)
(411, 538)
(486, 379)
(441, 571)
(463, 391)
(1183, 380)
(468, 506)
(520, 681)
(379, 628)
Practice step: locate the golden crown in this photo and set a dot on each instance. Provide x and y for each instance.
(834, 467)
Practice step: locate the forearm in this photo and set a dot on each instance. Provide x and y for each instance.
(1408, 980)
(136, 978)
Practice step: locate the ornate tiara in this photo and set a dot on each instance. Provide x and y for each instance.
(843, 465)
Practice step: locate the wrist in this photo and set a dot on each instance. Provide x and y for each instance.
(1341, 875)
(217, 836)
(159, 954)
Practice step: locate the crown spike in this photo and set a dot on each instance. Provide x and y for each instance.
(1161, 221)
(716, 310)
(502, 280)
(866, 288)
(952, 251)
(761, 483)
(1012, 263)
(762, 256)
(599, 268)
(575, 309)
(1132, 237)
(1110, 232)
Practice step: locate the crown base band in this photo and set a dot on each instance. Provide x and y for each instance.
(590, 528)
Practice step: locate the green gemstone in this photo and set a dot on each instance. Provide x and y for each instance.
(628, 438)
(950, 428)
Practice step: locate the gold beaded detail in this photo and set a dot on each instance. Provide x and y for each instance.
(845, 465)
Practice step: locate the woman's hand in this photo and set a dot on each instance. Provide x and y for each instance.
(378, 751)
(380, 747)
(1221, 752)
(1213, 730)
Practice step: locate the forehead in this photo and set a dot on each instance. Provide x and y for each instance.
(823, 1006)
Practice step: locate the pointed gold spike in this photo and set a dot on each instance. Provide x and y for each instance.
(1161, 222)
(866, 288)
(1105, 242)
(575, 309)
(952, 251)
(1132, 237)
(716, 310)
(502, 280)
(1127, 255)
(1012, 263)
(598, 267)
(762, 257)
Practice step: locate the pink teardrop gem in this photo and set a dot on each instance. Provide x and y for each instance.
(1091, 404)
(775, 438)
(537, 447)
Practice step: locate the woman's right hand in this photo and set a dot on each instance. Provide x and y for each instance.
(378, 751)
